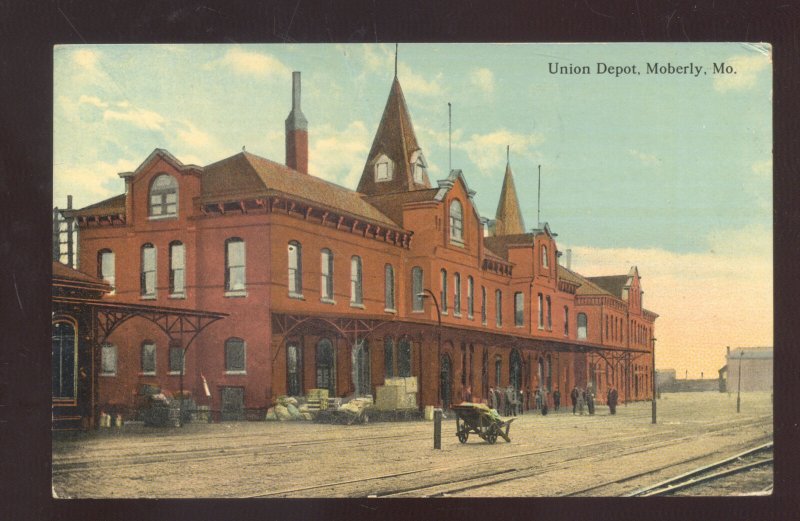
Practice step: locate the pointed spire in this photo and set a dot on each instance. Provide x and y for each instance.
(508, 218)
(396, 144)
(395, 59)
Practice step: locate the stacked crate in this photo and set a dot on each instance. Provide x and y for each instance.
(317, 400)
(397, 393)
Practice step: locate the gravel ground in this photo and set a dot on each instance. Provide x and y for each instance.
(557, 454)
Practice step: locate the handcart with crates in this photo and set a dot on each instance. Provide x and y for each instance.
(481, 420)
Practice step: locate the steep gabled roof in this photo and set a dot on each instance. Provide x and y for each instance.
(391, 204)
(248, 175)
(112, 206)
(500, 243)
(587, 287)
(613, 284)
(508, 218)
(396, 139)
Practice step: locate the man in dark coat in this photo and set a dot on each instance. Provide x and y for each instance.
(556, 399)
(574, 397)
(590, 400)
(612, 399)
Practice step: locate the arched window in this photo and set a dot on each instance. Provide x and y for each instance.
(294, 370)
(443, 294)
(65, 360)
(164, 196)
(404, 357)
(356, 280)
(582, 326)
(148, 271)
(470, 296)
(235, 356)
(388, 356)
(541, 311)
(545, 262)
(148, 363)
(234, 265)
(416, 288)
(566, 321)
(519, 309)
(361, 368)
(177, 269)
(326, 365)
(549, 373)
(106, 267)
(498, 307)
(388, 282)
(457, 295)
(295, 253)
(326, 279)
(456, 222)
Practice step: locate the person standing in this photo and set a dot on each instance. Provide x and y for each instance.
(538, 399)
(574, 397)
(612, 400)
(581, 401)
(556, 399)
(590, 400)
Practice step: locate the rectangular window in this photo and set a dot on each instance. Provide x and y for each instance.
(443, 294)
(541, 311)
(175, 360)
(416, 288)
(382, 172)
(234, 356)
(356, 290)
(498, 308)
(326, 282)
(457, 296)
(148, 282)
(295, 278)
(470, 297)
(566, 321)
(108, 357)
(389, 288)
(148, 358)
(549, 314)
(483, 305)
(519, 309)
(235, 265)
(107, 267)
(177, 269)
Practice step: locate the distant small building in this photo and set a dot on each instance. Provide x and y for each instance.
(665, 378)
(755, 364)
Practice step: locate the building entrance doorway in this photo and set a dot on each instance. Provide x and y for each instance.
(361, 368)
(515, 370)
(232, 403)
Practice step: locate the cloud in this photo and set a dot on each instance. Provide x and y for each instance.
(250, 63)
(705, 300)
(483, 79)
(414, 83)
(747, 71)
(646, 159)
(142, 118)
(488, 151)
(89, 183)
(338, 155)
(93, 100)
(86, 58)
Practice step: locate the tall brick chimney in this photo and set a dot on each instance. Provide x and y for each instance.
(296, 131)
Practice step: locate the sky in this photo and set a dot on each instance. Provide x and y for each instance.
(671, 172)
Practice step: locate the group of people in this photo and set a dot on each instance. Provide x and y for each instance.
(510, 401)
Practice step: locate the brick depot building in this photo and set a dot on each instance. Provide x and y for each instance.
(323, 285)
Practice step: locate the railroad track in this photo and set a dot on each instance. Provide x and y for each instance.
(489, 475)
(719, 469)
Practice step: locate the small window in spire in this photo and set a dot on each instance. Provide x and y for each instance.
(418, 165)
(383, 169)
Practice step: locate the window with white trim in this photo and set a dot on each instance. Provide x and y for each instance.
(388, 294)
(326, 279)
(177, 269)
(148, 271)
(356, 281)
(384, 170)
(470, 296)
(148, 364)
(108, 360)
(582, 326)
(234, 265)
(106, 266)
(295, 280)
(457, 294)
(164, 196)
(416, 289)
(456, 222)
(519, 309)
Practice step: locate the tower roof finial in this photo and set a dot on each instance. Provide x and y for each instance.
(508, 154)
(395, 59)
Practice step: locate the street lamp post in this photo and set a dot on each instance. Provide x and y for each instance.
(426, 293)
(739, 385)
(655, 384)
